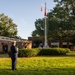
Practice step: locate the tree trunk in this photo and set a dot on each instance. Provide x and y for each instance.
(67, 44)
(60, 42)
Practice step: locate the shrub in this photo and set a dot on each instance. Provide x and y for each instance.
(54, 51)
(42, 51)
(28, 52)
(2, 52)
(9, 53)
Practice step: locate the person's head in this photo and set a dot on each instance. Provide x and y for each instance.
(14, 43)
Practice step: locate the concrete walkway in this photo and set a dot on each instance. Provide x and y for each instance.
(4, 55)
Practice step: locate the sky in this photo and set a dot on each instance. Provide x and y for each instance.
(24, 13)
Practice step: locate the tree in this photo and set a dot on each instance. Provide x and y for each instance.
(7, 27)
(69, 5)
(60, 21)
(39, 25)
(66, 16)
(39, 31)
(63, 22)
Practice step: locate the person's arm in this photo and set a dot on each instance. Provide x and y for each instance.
(16, 50)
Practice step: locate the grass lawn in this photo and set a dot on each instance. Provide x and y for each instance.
(63, 65)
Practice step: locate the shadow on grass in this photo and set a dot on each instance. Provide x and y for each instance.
(51, 71)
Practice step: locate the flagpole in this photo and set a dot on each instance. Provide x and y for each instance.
(45, 27)
(45, 32)
(45, 43)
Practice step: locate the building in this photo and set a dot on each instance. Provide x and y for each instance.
(5, 43)
(51, 43)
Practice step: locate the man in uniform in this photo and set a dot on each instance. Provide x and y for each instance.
(14, 55)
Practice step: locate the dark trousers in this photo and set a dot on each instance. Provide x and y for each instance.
(14, 62)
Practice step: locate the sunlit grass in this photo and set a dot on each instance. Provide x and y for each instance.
(39, 66)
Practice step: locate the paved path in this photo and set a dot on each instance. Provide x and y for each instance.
(4, 55)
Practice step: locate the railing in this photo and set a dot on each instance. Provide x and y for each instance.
(11, 39)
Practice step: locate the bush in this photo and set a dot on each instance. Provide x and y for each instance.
(28, 52)
(2, 52)
(54, 51)
(43, 51)
(9, 53)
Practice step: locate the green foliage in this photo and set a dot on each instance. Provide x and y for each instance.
(36, 42)
(39, 28)
(60, 21)
(7, 26)
(9, 53)
(1, 52)
(28, 52)
(54, 51)
(42, 51)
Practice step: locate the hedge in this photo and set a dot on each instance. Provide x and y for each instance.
(2, 52)
(43, 51)
(54, 51)
(28, 52)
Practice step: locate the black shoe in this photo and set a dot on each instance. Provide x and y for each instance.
(13, 69)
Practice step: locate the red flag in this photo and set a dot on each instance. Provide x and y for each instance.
(45, 10)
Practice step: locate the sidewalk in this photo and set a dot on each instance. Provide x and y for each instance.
(4, 55)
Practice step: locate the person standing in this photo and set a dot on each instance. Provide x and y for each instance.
(14, 55)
